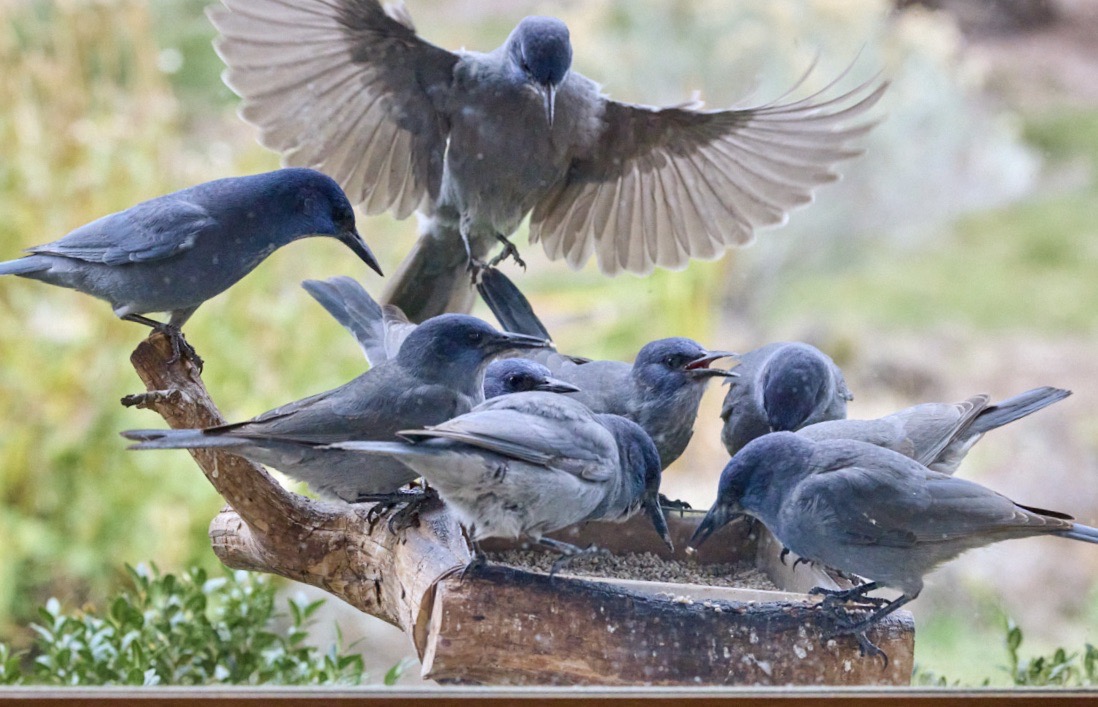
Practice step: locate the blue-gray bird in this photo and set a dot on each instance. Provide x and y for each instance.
(661, 390)
(172, 253)
(381, 330)
(937, 435)
(869, 511)
(781, 387)
(474, 142)
(527, 464)
(436, 375)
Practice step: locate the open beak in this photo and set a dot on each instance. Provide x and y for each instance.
(699, 367)
(555, 385)
(509, 340)
(550, 94)
(717, 517)
(352, 240)
(655, 513)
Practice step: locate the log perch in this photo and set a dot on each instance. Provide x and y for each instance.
(498, 625)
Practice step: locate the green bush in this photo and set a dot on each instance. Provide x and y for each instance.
(189, 629)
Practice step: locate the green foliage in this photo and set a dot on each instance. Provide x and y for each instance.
(1058, 669)
(188, 629)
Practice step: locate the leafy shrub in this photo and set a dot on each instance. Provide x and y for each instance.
(189, 629)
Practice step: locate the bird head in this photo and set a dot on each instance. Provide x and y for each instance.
(642, 470)
(324, 203)
(517, 375)
(667, 365)
(540, 48)
(455, 348)
(799, 381)
(753, 481)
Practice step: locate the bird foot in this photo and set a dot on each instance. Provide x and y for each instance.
(847, 626)
(478, 560)
(856, 595)
(181, 347)
(411, 503)
(153, 398)
(509, 251)
(782, 555)
(568, 553)
(677, 505)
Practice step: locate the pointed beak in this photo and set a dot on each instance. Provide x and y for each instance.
(717, 517)
(550, 93)
(655, 513)
(555, 385)
(699, 367)
(509, 340)
(352, 240)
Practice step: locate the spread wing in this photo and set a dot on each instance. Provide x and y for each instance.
(663, 185)
(343, 87)
(151, 230)
(538, 430)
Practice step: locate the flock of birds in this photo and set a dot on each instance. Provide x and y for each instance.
(517, 438)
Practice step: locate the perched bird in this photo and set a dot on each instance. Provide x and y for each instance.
(660, 391)
(172, 253)
(474, 142)
(869, 511)
(781, 387)
(435, 376)
(531, 463)
(937, 435)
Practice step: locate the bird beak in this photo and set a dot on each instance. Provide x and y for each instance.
(655, 514)
(550, 94)
(699, 367)
(352, 240)
(555, 385)
(717, 517)
(509, 340)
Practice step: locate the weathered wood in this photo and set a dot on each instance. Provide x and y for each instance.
(505, 626)
(502, 626)
(266, 528)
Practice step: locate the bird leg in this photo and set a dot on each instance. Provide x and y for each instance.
(858, 628)
(478, 560)
(174, 334)
(854, 595)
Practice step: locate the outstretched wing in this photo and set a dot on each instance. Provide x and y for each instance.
(663, 185)
(343, 87)
(151, 230)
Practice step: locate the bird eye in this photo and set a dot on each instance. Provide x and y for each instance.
(669, 361)
(474, 336)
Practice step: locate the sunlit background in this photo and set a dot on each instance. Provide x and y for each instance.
(956, 257)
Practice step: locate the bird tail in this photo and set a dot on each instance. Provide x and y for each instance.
(1017, 407)
(381, 449)
(179, 439)
(509, 305)
(1081, 532)
(353, 307)
(434, 278)
(24, 266)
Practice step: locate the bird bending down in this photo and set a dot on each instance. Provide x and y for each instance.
(869, 511)
(476, 141)
(172, 253)
(781, 387)
(436, 375)
(527, 464)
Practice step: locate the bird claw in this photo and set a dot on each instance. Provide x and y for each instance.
(509, 251)
(677, 505)
(569, 553)
(153, 398)
(181, 347)
(782, 555)
(412, 503)
(799, 561)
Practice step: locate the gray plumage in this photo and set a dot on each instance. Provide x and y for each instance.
(869, 511)
(474, 142)
(531, 463)
(436, 375)
(937, 435)
(172, 253)
(782, 386)
(381, 330)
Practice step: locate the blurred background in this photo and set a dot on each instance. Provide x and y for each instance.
(957, 256)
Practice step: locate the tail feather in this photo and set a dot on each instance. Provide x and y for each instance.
(353, 307)
(1016, 408)
(179, 439)
(509, 305)
(1081, 532)
(23, 266)
(434, 277)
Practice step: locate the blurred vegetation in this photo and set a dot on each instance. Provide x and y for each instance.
(187, 629)
(106, 103)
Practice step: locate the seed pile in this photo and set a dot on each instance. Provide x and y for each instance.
(642, 566)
